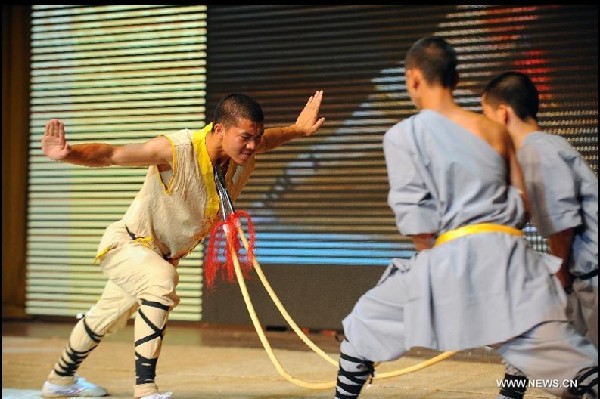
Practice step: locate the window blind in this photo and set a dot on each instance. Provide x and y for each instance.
(113, 74)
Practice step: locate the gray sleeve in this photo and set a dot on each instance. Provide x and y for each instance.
(552, 189)
(409, 198)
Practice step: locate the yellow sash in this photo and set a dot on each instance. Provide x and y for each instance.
(476, 229)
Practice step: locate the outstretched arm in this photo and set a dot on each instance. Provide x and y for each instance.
(307, 123)
(156, 151)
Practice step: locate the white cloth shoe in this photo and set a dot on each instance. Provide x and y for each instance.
(166, 395)
(80, 388)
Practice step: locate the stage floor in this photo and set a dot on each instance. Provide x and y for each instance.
(218, 362)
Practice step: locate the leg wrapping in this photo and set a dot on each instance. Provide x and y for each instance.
(587, 383)
(150, 325)
(514, 386)
(81, 343)
(352, 375)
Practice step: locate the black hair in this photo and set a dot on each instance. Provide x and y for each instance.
(236, 106)
(436, 59)
(517, 91)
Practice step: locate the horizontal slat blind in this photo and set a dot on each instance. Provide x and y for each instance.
(322, 200)
(113, 74)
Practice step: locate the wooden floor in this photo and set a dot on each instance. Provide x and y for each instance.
(202, 362)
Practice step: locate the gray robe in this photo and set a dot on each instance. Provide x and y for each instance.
(473, 291)
(563, 192)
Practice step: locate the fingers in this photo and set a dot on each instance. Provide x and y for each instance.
(308, 121)
(315, 100)
(315, 127)
(55, 129)
(48, 130)
(61, 134)
(319, 123)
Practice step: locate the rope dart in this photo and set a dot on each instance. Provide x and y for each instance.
(240, 267)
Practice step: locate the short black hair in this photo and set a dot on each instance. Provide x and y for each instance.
(236, 106)
(436, 59)
(515, 89)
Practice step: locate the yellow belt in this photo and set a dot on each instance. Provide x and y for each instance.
(476, 229)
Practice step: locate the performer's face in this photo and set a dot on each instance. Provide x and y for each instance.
(241, 141)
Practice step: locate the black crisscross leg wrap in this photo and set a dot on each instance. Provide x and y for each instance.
(587, 383)
(71, 358)
(514, 386)
(352, 375)
(150, 327)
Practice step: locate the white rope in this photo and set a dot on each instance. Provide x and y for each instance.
(297, 330)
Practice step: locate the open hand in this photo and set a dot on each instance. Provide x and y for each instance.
(54, 144)
(308, 121)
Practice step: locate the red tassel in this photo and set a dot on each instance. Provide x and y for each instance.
(212, 264)
(225, 234)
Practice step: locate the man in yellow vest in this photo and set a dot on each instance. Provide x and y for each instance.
(173, 211)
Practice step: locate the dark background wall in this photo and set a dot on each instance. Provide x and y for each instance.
(335, 183)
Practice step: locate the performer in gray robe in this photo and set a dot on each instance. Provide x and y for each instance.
(568, 202)
(474, 280)
(563, 192)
